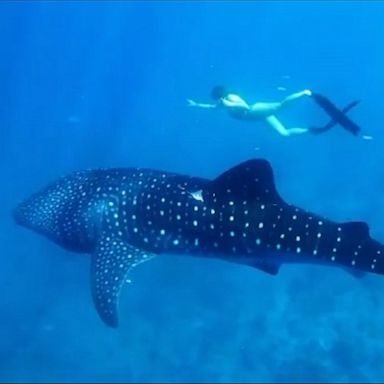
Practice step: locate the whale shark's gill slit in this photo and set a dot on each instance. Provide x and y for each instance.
(111, 262)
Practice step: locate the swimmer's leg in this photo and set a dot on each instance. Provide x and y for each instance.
(275, 123)
(267, 109)
(296, 96)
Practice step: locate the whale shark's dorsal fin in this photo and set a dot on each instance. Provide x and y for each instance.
(250, 180)
(356, 229)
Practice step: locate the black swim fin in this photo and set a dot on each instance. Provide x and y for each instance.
(338, 116)
(332, 122)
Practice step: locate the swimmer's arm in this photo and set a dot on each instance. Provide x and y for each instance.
(193, 103)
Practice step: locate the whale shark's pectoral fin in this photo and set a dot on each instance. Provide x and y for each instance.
(111, 262)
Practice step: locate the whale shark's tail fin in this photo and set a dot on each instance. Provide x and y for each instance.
(336, 114)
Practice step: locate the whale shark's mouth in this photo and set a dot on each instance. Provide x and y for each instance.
(39, 211)
(22, 214)
(27, 215)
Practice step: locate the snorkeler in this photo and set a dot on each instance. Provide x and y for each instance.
(239, 109)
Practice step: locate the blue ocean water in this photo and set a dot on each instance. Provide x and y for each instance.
(105, 84)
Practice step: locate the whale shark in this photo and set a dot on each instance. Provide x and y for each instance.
(126, 216)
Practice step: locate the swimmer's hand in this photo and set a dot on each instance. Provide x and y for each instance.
(191, 103)
(307, 92)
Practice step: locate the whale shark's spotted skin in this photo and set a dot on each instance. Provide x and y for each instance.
(124, 217)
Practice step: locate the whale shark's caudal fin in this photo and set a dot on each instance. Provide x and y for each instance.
(250, 180)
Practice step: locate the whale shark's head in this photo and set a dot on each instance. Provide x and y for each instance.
(59, 211)
(39, 212)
